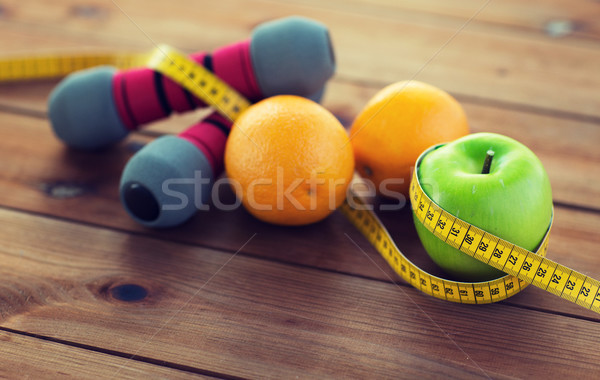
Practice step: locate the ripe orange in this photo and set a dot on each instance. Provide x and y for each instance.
(397, 125)
(290, 160)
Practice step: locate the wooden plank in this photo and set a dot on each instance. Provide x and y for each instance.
(521, 68)
(555, 18)
(238, 315)
(28, 357)
(499, 17)
(39, 175)
(263, 315)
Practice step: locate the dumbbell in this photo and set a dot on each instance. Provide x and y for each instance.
(164, 182)
(97, 107)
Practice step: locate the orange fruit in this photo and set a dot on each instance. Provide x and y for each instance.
(397, 125)
(289, 160)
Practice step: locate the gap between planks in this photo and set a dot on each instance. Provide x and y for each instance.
(123, 355)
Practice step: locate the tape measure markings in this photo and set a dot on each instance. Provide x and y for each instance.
(523, 266)
(55, 66)
(175, 65)
(473, 293)
(519, 262)
(199, 81)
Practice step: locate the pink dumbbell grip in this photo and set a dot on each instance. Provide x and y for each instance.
(210, 136)
(142, 96)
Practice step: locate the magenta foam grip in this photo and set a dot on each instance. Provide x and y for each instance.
(210, 137)
(143, 95)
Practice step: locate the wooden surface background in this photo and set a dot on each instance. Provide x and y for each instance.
(228, 296)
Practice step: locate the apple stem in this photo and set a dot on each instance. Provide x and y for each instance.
(488, 162)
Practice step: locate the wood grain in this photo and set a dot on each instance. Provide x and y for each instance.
(526, 16)
(29, 357)
(246, 317)
(511, 66)
(40, 176)
(87, 293)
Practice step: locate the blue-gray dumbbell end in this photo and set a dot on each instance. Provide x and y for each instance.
(293, 56)
(82, 110)
(165, 183)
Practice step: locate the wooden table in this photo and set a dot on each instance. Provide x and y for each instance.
(86, 292)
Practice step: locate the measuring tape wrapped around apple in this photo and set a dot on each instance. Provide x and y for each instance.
(449, 173)
(437, 203)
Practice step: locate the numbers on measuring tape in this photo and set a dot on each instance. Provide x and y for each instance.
(526, 266)
(368, 223)
(523, 267)
(469, 239)
(541, 272)
(555, 278)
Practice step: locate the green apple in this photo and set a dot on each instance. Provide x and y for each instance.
(511, 198)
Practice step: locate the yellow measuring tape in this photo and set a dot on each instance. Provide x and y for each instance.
(178, 67)
(531, 267)
(367, 222)
(55, 66)
(522, 266)
(199, 81)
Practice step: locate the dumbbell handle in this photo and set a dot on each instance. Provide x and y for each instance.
(210, 135)
(143, 95)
